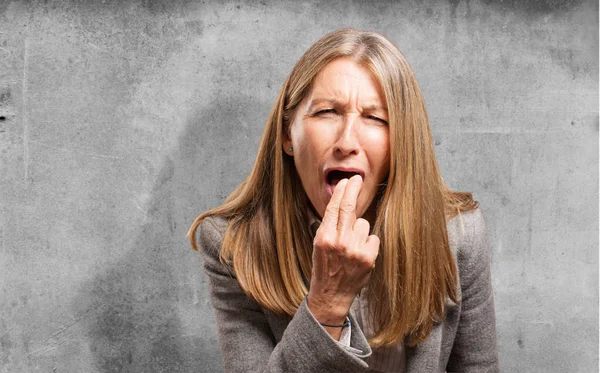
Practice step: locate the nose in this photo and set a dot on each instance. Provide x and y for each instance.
(348, 140)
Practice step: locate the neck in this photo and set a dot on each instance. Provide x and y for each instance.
(371, 214)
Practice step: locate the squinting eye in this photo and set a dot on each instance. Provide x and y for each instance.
(377, 119)
(325, 111)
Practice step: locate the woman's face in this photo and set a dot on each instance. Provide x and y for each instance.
(341, 128)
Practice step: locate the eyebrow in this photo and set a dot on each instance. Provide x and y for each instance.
(335, 102)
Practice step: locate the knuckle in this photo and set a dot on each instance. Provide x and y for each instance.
(375, 240)
(317, 241)
(362, 260)
(352, 256)
(324, 241)
(362, 223)
(331, 209)
(344, 242)
(341, 251)
(341, 248)
(347, 207)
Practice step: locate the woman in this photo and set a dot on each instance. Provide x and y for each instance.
(343, 250)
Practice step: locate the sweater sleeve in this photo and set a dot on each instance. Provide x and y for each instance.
(474, 348)
(247, 342)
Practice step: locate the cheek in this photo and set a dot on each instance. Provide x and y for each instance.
(379, 146)
(308, 140)
(298, 135)
(304, 154)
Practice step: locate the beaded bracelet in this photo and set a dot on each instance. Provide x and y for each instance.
(345, 324)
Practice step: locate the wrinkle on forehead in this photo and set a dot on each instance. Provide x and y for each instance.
(328, 82)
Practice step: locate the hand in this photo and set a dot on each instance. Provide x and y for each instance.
(343, 255)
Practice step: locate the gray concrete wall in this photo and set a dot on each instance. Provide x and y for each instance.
(121, 121)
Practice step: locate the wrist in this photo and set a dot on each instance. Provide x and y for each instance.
(327, 313)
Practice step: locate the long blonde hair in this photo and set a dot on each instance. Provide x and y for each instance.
(268, 244)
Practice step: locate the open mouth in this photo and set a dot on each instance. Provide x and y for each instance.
(332, 177)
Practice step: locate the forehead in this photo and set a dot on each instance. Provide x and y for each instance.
(342, 78)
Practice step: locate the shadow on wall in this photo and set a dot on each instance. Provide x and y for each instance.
(137, 303)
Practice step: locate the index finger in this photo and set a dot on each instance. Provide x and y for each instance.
(347, 214)
(330, 218)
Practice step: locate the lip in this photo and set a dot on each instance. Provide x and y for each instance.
(328, 187)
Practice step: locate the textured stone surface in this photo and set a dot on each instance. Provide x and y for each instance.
(121, 121)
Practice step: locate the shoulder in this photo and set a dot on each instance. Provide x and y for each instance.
(210, 235)
(466, 229)
(467, 236)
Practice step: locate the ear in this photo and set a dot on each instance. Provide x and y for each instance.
(287, 143)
